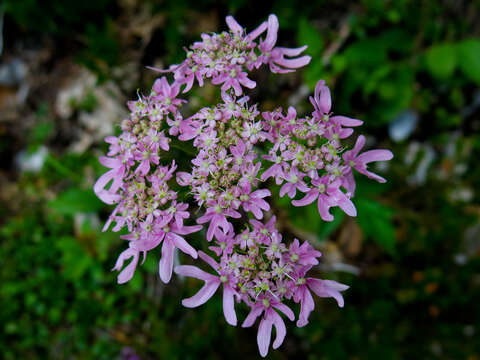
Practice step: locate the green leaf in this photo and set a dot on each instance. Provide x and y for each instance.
(469, 59)
(375, 220)
(313, 72)
(339, 63)
(366, 53)
(328, 227)
(303, 218)
(396, 40)
(378, 74)
(308, 35)
(41, 132)
(75, 260)
(75, 201)
(441, 60)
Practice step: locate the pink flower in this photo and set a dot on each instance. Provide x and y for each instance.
(276, 170)
(174, 124)
(359, 162)
(221, 173)
(253, 201)
(145, 156)
(327, 288)
(276, 56)
(176, 212)
(328, 195)
(127, 273)
(294, 181)
(240, 155)
(167, 93)
(237, 29)
(225, 241)
(186, 75)
(264, 229)
(304, 254)
(212, 283)
(279, 64)
(322, 102)
(217, 216)
(322, 288)
(115, 147)
(270, 318)
(116, 174)
(184, 178)
(189, 129)
(148, 237)
(234, 78)
(171, 240)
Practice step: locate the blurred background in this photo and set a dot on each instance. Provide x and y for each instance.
(410, 69)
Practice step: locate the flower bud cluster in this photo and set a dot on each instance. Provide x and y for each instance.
(228, 178)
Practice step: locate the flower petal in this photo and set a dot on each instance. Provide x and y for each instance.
(347, 206)
(286, 310)
(325, 100)
(252, 316)
(129, 270)
(280, 330)
(166, 262)
(109, 162)
(324, 209)
(263, 336)
(185, 230)
(375, 155)
(346, 121)
(292, 51)
(208, 260)
(327, 288)
(257, 32)
(194, 272)
(260, 194)
(202, 296)
(358, 145)
(228, 306)
(233, 24)
(306, 307)
(308, 199)
(183, 245)
(272, 31)
(293, 63)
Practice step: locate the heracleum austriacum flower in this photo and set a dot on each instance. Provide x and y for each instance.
(226, 182)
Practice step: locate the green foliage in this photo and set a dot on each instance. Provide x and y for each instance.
(365, 64)
(375, 220)
(60, 18)
(378, 72)
(327, 228)
(441, 60)
(75, 261)
(100, 54)
(74, 201)
(309, 35)
(468, 59)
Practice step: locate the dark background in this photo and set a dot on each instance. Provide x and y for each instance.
(409, 69)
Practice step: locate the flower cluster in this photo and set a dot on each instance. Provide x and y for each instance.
(256, 267)
(227, 180)
(306, 155)
(224, 58)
